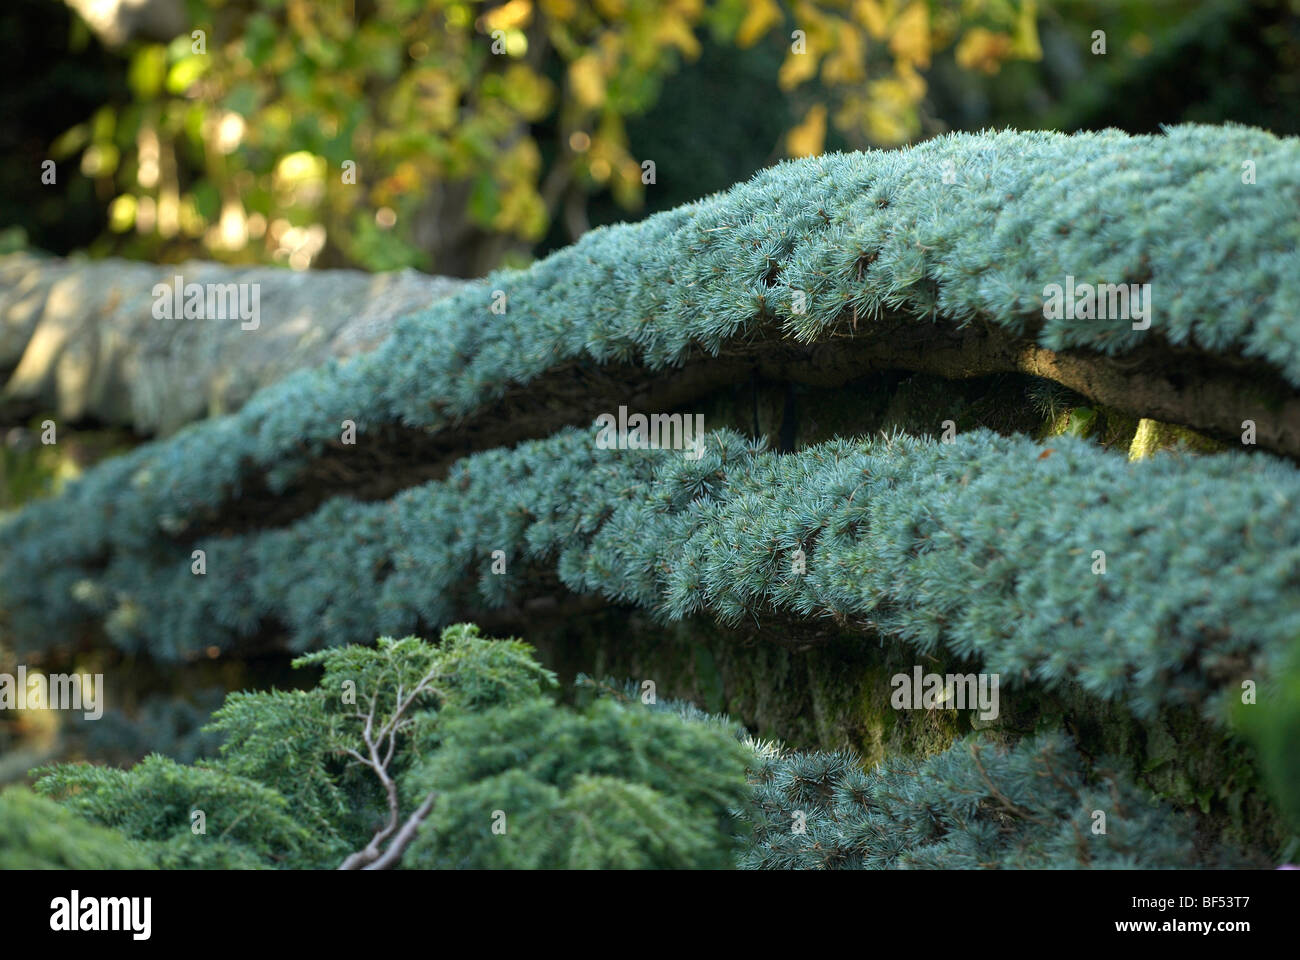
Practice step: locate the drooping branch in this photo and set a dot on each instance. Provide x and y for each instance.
(816, 272)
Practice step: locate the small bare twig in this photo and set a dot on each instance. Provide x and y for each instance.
(374, 856)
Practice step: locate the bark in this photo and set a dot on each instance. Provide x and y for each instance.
(117, 21)
(79, 338)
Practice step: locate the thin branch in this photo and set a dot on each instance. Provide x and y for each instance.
(1011, 806)
(372, 857)
(404, 836)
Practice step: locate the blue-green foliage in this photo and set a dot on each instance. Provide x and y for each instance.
(981, 804)
(984, 546)
(977, 805)
(856, 233)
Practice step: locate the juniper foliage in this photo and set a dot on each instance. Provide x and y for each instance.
(155, 802)
(977, 805)
(520, 782)
(602, 787)
(608, 787)
(39, 834)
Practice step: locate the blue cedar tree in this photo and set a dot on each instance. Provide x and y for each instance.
(861, 234)
(982, 547)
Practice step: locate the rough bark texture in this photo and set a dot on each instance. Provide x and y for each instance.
(79, 337)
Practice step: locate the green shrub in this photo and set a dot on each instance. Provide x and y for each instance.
(39, 834)
(449, 757)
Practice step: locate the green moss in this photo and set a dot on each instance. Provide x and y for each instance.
(1178, 755)
(1152, 436)
(822, 690)
(32, 470)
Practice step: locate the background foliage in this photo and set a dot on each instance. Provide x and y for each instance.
(467, 159)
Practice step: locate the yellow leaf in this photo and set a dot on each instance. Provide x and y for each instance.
(560, 10)
(760, 18)
(809, 137)
(1024, 42)
(527, 92)
(673, 30)
(848, 63)
(587, 81)
(913, 84)
(890, 114)
(982, 50)
(522, 211)
(523, 161)
(511, 16)
(797, 68)
(870, 15)
(121, 213)
(911, 39)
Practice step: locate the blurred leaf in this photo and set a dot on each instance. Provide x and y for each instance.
(147, 71)
(983, 50)
(760, 17)
(910, 40)
(588, 81)
(484, 201)
(70, 142)
(184, 72)
(808, 138)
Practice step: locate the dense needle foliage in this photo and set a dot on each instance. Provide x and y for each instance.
(962, 229)
(519, 781)
(984, 547)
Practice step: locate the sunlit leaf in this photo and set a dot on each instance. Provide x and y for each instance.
(808, 138)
